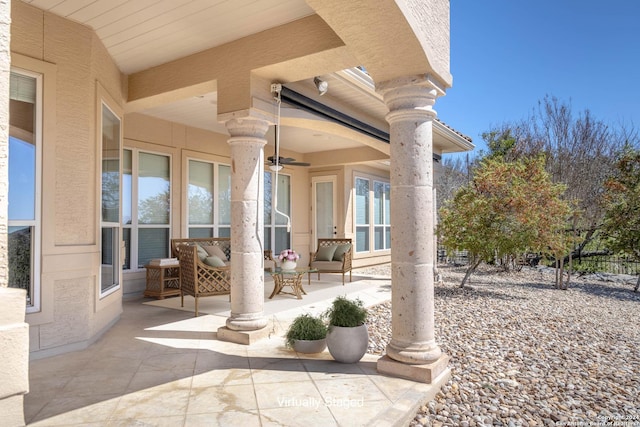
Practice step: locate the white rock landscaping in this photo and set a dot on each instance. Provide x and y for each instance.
(526, 354)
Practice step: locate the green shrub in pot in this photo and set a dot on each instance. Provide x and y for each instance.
(346, 313)
(307, 334)
(348, 338)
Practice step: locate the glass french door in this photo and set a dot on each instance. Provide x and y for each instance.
(324, 207)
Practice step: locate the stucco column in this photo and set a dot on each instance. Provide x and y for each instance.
(411, 115)
(247, 223)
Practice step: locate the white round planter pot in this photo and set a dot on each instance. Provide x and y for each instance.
(348, 345)
(310, 346)
(288, 265)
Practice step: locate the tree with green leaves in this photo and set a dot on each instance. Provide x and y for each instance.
(621, 225)
(508, 209)
(579, 151)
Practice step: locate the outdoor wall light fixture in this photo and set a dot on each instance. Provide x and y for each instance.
(322, 86)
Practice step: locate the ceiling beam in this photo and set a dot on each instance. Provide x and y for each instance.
(316, 48)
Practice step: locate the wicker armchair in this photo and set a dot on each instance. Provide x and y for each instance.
(269, 262)
(224, 243)
(327, 261)
(197, 278)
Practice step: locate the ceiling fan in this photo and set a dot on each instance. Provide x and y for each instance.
(277, 162)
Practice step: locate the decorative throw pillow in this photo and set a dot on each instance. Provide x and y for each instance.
(215, 250)
(202, 254)
(340, 251)
(214, 261)
(325, 253)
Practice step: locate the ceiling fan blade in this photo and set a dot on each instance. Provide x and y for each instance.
(281, 160)
(298, 164)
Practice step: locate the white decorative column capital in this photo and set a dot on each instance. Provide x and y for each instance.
(246, 128)
(409, 97)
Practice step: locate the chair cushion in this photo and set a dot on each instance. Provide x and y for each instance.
(202, 254)
(340, 251)
(214, 261)
(325, 253)
(269, 265)
(215, 250)
(327, 265)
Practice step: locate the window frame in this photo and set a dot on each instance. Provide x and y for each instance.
(372, 225)
(215, 198)
(135, 226)
(115, 226)
(36, 223)
(385, 225)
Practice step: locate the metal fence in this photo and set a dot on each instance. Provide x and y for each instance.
(614, 264)
(452, 257)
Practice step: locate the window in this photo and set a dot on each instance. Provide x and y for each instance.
(362, 215)
(146, 207)
(25, 147)
(372, 214)
(277, 237)
(209, 199)
(110, 196)
(381, 215)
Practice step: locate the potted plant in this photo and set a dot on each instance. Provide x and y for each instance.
(307, 334)
(288, 259)
(348, 337)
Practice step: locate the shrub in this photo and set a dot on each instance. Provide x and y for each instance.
(346, 313)
(306, 327)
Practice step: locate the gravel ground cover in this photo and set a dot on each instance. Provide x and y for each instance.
(526, 354)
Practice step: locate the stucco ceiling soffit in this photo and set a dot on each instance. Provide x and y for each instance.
(309, 66)
(385, 35)
(346, 156)
(273, 46)
(325, 126)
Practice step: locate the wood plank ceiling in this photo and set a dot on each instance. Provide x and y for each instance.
(141, 34)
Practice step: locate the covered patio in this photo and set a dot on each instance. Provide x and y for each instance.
(163, 366)
(138, 122)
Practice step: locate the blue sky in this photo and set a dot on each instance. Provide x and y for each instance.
(506, 55)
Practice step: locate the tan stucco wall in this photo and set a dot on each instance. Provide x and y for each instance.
(418, 43)
(78, 73)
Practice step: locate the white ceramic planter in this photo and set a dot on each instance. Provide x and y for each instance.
(348, 345)
(310, 346)
(288, 265)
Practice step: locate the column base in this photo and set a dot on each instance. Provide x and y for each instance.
(436, 372)
(246, 322)
(12, 410)
(243, 337)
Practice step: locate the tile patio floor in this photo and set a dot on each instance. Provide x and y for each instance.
(161, 366)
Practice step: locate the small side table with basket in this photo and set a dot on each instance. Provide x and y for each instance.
(163, 278)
